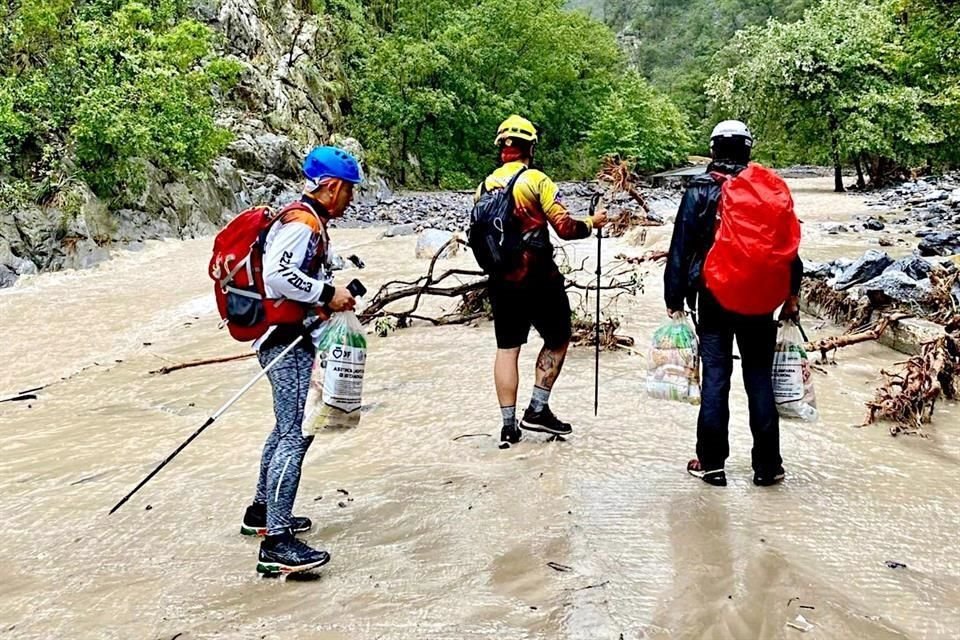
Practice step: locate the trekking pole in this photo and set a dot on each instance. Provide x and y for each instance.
(596, 373)
(355, 287)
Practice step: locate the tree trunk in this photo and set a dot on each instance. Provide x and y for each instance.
(838, 174)
(861, 181)
(837, 164)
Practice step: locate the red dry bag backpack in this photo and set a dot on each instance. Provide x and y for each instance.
(237, 271)
(748, 268)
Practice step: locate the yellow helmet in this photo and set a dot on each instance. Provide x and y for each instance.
(516, 127)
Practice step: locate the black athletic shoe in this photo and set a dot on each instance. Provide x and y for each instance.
(715, 477)
(511, 435)
(768, 480)
(285, 554)
(545, 422)
(255, 522)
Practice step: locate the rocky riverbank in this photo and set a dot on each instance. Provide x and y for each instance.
(924, 215)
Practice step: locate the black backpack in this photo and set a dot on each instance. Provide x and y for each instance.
(494, 235)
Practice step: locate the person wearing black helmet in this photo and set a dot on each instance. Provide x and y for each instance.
(296, 267)
(695, 234)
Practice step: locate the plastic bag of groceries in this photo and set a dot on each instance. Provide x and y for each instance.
(793, 376)
(336, 383)
(673, 364)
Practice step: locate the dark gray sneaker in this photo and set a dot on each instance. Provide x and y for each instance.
(255, 522)
(510, 435)
(769, 479)
(715, 477)
(285, 554)
(545, 422)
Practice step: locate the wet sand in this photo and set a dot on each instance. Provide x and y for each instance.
(445, 538)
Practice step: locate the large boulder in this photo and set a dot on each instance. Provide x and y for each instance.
(432, 241)
(399, 230)
(7, 277)
(897, 286)
(868, 267)
(268, 153)
(942, 243)
(916, 268)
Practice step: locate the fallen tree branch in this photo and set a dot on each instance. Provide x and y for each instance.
(649, 256)
(474, 304)
(199, 363)
(832, 344)
(908, 398)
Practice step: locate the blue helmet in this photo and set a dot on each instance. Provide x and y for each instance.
(331, 162)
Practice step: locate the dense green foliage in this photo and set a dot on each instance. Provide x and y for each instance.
(434, 83)
(852, 80)
(673, 43)
(91, 87)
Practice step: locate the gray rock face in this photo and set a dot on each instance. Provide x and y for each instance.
(916, 268)
(400, 230)
(267, 153)
(943, 243)
(898, 287)
(874, 225)
(7, 277)
(871, 265)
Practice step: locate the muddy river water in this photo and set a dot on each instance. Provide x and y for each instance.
(445, 538)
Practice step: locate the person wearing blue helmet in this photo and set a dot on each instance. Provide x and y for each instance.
(296, 266)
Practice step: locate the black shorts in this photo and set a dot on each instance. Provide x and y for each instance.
(540, 302)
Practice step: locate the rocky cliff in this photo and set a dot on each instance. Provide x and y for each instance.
(288, 99)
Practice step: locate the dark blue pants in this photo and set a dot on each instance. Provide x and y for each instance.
(757, 337)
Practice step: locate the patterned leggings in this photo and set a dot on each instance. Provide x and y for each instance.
(286, 446)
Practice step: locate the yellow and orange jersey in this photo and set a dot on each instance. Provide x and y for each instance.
(537, 202)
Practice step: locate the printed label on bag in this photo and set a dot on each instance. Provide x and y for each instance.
(343, 377)
(788, 376)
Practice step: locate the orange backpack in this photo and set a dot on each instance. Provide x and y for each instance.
(757, 239)
(236, 268)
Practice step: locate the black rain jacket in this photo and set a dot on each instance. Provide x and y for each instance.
(693, 235)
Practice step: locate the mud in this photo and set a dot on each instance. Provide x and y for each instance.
(445, 537)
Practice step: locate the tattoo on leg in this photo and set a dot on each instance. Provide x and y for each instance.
(548, 366)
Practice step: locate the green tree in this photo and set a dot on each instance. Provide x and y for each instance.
(92, 88)
(638, 123)
(442, 75)
(830, 84)
(673, 44)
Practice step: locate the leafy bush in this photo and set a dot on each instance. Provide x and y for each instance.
(93, 87)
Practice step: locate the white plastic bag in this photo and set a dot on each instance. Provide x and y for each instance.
(336, 384)
(673, 363)
(793, 376)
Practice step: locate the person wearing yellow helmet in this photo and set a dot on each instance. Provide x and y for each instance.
(531, 294)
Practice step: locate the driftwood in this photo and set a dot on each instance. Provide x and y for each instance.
(908, 397)
(471, 288)
(839, 306)
(585, 335)
(831, 345)
(427, 285)
(199, 363)
(616, 175)
(649, 256)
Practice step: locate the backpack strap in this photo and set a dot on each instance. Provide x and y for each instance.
(513, 181)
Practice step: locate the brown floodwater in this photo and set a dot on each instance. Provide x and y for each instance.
(442, 537)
